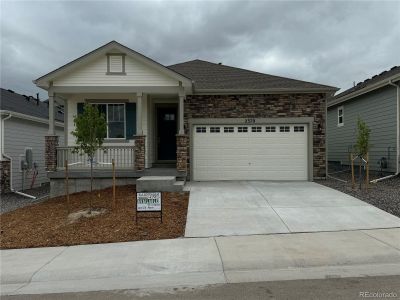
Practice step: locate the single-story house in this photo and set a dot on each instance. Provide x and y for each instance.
(207, 120)
(24, 125)
(377, 101)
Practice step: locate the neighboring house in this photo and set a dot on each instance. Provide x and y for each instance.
(211, 121)
(376, 101)
(24, 125)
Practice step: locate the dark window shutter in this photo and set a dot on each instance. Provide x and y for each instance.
(79, 108)
(130, 115)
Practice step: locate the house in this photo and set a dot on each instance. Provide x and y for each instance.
(377, 102)
(208, 121)
(24, 125)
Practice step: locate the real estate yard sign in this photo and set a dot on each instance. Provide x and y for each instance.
(149, 202)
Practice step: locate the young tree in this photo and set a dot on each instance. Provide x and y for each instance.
(90, 130)
(362, 144)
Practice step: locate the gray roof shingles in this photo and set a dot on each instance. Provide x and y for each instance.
(211, 76)
(15, 102)
(370, 81)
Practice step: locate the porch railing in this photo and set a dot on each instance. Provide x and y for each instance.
(124, 157)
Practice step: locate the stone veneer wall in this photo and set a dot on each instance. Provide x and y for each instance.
(140, 142)
(265, 106)
(182, 147)
(5, 174)
(51, 143)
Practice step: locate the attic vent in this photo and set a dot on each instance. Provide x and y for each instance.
(116, 64)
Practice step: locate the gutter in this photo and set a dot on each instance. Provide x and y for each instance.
(397, 135)
(263, 91)
(10, 159)
(29, 118)
(364, 90)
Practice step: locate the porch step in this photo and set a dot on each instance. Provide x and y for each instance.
(159, 184)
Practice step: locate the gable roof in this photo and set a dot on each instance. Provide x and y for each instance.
(209, 77)
(44, 80)
(367, 85)
(27, 105)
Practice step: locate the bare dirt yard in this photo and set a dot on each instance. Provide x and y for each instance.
(383, 194)
(48, 223)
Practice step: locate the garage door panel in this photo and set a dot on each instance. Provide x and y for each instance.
(250, 155)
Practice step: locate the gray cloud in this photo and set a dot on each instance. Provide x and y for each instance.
(333, 43)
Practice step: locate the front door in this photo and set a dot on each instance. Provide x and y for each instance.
(166, 132)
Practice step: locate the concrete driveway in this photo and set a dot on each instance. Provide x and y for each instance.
(258, 207)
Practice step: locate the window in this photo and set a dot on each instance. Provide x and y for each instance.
(228, 129)
(115, 117)
(242, 129)
(284, 128)
(214, 129)
(256, 129)
(340, 116)
(270, 128)
(169, 117)
(201, 129)
(116, 64)
(298, 128)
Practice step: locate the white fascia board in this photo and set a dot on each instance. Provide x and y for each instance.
(264, 91)
(365, 90)
(29, 118)
(44, 81)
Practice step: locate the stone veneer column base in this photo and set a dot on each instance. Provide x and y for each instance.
(140, 141)
(5, 173)
(51, 143)
(182, 141)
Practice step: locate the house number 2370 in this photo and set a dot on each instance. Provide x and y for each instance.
(249, 121)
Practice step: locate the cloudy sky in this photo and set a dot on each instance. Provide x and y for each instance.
(333, 43)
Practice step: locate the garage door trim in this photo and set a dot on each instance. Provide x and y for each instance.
(254, 121)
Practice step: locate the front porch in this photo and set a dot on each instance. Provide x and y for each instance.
(151, 142)
(79, 174)
(151, 133)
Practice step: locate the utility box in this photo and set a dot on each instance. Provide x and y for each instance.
(29, 158)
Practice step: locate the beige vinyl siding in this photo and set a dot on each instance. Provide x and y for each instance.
(94, 74)
(378, 110)
(20, 134)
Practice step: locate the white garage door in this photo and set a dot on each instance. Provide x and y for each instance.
(257, 152)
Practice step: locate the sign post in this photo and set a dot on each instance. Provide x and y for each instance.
(149, 202)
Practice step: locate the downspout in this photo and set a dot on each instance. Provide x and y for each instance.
(397, 136)
(11, 161)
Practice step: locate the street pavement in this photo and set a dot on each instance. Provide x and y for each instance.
(327, 289)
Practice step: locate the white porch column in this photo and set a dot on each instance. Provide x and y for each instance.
(139, 108)
(181, 113)
(51, 113)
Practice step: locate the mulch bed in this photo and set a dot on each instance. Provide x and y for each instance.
(46, 224)
(383, 194)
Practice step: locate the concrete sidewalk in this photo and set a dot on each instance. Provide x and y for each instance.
(200, 261)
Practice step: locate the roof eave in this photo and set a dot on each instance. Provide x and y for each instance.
(29, 117)
(329, 90)
(44, 81)
(364, 90)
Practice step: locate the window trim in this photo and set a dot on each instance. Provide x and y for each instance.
(340, 124)
(106, 104)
